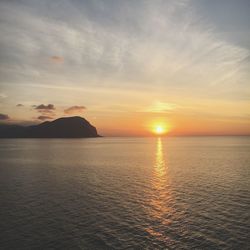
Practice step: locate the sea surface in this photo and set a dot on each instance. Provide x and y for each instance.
(125, 193)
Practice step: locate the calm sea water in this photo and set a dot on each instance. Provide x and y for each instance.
(125, 193)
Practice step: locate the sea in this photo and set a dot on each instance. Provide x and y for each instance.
(125, 193)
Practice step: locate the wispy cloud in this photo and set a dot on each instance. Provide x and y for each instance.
(44, 117)
(2, 95)
(45, 107)
(160, 107)
(57, 59)
(75, 110)
(150, 46)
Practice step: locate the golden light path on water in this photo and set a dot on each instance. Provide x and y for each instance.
(161, 208)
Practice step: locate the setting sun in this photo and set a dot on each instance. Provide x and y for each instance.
(159, 126)
(160, 129)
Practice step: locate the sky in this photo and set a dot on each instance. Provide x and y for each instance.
(127, 66)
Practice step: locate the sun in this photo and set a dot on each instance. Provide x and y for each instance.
(159, 129)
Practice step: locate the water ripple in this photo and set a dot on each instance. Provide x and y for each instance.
(125, 194)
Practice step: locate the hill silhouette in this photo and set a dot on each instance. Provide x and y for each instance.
(66, 127)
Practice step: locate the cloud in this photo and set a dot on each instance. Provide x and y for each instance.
(157, 45)
(45, 107)
(150, 45)
(19, 105)
(44, 117)
(45, 110)
(57, 59)
(74, 109)
(161, 107)
(4, 117)
(2, 95)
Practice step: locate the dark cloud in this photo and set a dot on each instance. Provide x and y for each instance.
(19, 105)
(57, 59)
(44, 117)
(4, 117)
(74, 109)
(45, 107)
(45, 110)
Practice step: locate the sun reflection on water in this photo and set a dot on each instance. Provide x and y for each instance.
(160, 167)
(160, 208)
